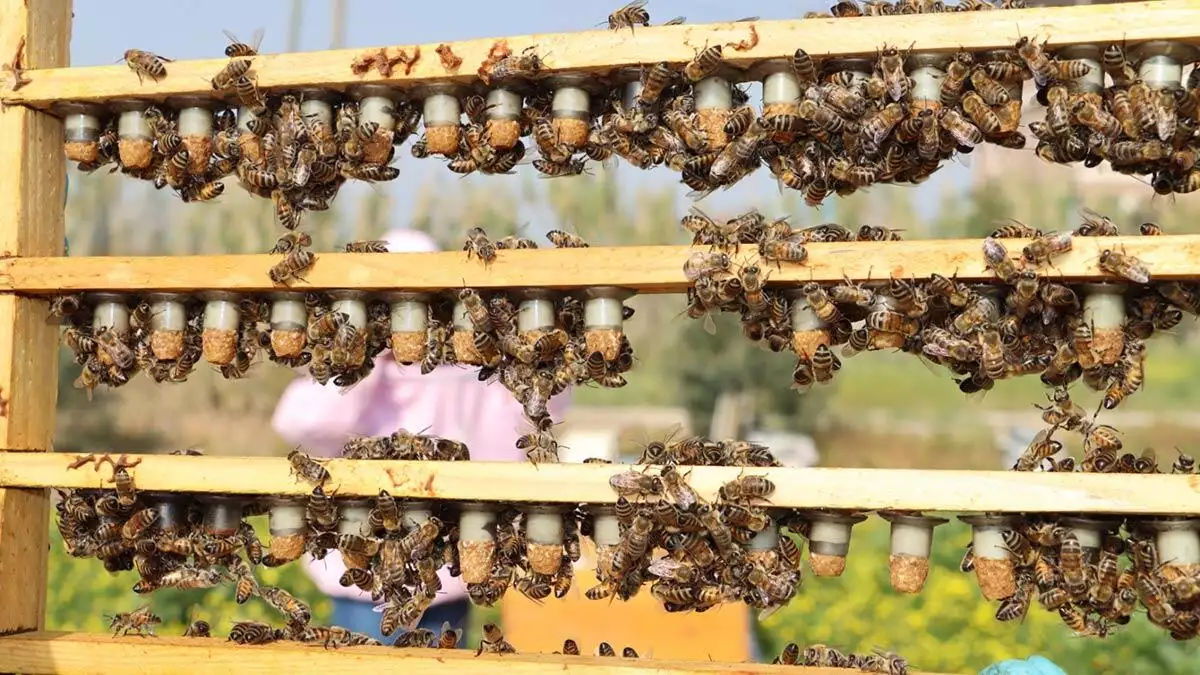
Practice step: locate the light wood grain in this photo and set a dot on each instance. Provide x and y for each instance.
(603, 50)
(646, 269)
(82, 654)
(31, 196)
(867, 489)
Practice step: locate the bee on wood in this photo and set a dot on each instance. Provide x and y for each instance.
(493, 641)
(562, 239)
(1124, 266)
(141, 621)
(253, 633)
(479, 245)
(636, 484)
(307, 469)
(369, 246)
(146, 64)
(706, 264)
(632, 14)
(293, 266)
(1047, 247)
(746, 488)
(706, 62)
(227, 79)
(198, 628)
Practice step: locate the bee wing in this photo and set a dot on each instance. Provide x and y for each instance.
(634, 4)
(257, 38)
(677, 21)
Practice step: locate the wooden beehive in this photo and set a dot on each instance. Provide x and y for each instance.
(31, 268)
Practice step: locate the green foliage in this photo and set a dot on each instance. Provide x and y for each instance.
(80, 593)
(948, 627)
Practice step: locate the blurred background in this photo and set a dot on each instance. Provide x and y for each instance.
(883, 410)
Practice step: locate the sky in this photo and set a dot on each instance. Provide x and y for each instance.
(192, 29)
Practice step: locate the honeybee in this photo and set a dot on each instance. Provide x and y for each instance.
(369, 246)
(479, 245)
(293, 266)
(636, 484)
(146, 64)
(292, 241)
(198, 628)
(202, 192)
(307, 469)
(141, 620)
(705, 264)
(981, 114)
(632, 14)
(891, 68)
(114, 347)
(229, 77)
(957, 72)
(746, 488)
(964, 132)
(1124, 266)
(1035, 58)
(995, 256)
(705, 63)
(562, 239)
(803, 67)
(253, 633)
(1046, 247)
(493, 641)
(237, 48)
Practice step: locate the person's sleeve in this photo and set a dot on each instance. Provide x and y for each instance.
(320, 418)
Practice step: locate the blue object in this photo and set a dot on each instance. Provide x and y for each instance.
(1034, 665)
(361, 617)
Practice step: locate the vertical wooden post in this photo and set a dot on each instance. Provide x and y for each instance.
(31, 224)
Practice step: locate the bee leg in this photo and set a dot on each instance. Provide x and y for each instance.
(103, 459)
(123, 462)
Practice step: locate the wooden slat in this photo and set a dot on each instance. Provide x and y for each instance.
(31, 198)
(646, 269)
(83, 654)
(602, 50)
(866, 489)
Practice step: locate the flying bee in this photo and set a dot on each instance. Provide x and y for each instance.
(1124, 266)
(146, 64)
(1046, 247)
(237, 48)
(292, 241)
(705, 63)
(293, 266)
(632, 14)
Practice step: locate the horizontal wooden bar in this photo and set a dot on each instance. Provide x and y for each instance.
(646, 269)
(599, 51)
(85, 654)
(862, 489)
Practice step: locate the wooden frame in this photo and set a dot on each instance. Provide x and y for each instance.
(34, 38)
(35, 35)
(611, 50)
(852, 489)
(81, 654)
(645, 269)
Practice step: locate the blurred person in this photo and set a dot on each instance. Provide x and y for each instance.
(450, 402)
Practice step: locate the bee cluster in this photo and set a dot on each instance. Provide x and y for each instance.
(1144, 124)
(1027, 325)
(727, 551)
(1095, 572)
(824, 656)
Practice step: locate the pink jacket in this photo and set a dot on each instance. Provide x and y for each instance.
(449, 402)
